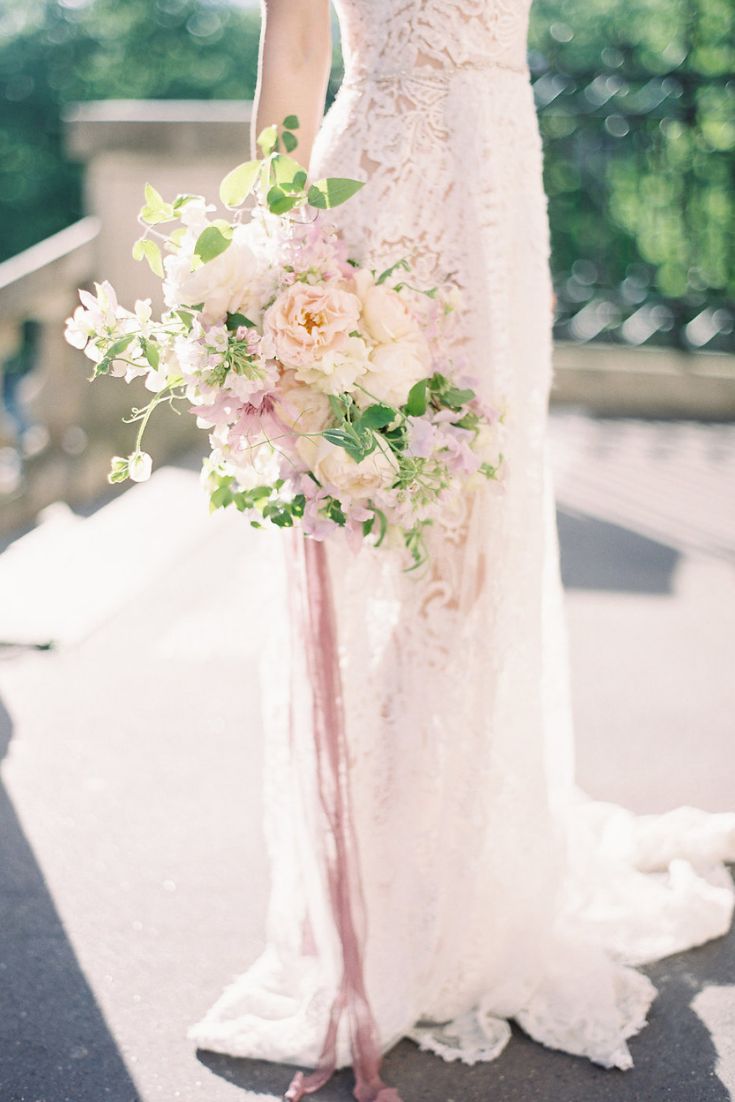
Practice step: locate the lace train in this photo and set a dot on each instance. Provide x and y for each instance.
(659, 887)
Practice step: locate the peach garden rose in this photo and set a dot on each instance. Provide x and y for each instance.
(308, 321)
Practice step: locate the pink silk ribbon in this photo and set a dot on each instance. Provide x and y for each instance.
(319, 633)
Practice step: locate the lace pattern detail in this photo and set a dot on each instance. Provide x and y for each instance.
(494, 890)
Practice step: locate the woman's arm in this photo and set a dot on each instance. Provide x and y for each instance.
(293, 70)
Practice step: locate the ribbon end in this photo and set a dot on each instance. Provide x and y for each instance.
(295, 1090)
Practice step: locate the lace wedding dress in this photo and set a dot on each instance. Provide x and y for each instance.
(493, 889)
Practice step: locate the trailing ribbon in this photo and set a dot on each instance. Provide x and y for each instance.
(319, 633)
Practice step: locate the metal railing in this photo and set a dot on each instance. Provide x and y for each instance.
(640, 174)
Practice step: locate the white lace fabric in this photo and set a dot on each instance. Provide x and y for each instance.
(494, 889)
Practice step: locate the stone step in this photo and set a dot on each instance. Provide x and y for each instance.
(71, 573)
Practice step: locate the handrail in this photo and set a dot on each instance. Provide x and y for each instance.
(30, 274)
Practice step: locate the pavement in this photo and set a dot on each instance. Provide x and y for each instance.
(132, 875)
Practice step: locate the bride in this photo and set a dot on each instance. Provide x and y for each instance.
(479, 884)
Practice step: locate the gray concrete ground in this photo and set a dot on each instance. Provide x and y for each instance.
(132, 877)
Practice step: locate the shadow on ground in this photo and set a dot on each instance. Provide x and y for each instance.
(596, 554)
(54, 1041)
(675, 1057)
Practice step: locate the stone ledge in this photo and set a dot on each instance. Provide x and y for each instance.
(59, 262)
(644, 382)
(178, 128)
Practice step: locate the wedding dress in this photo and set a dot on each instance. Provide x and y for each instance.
(493, 889)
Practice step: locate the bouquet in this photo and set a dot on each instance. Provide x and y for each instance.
(334, 395)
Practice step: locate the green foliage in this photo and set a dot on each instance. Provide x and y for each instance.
(119, 470)
(324, 194)
(212, 241)
(237, 185)
(417, 399)
(156, 209)
(145, 249)
(637, 109)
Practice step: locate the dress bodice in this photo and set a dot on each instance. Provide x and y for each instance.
(391, 37)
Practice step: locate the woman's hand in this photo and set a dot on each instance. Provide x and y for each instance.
(293, 69)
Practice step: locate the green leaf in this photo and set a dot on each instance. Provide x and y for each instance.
(356, 448)
(290, 141)
(399, 264)
(156, 209)
(119, 469)
(335, 513)
(238, 184)
(382, 520)
(324, 194)
(278, 515)
(235, 321)
(338, 436)
(226, 228)
(267, 140)
(186, 318)
(181, 200)
(151, 352)
(291, 122)
(222, 496)
(340, 405)
(416, 404)
(469, 421)
(278, 202)
(453, 396)
(119, 346)
(377, 417)
(260, 492)
(286, 169)
(211, 243)
(116, 349)
(145, 249)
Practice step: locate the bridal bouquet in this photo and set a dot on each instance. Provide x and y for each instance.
(330, 391)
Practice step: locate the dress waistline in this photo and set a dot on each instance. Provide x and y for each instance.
(436, 76)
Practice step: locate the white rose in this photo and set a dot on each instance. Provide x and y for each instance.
(231, 283)
(336, 469)
(393, 369)
(257, 463)
(299, 407)
(385, 315)
(337, 370)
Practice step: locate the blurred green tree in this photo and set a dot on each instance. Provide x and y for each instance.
(637, 108)
(53, 52)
